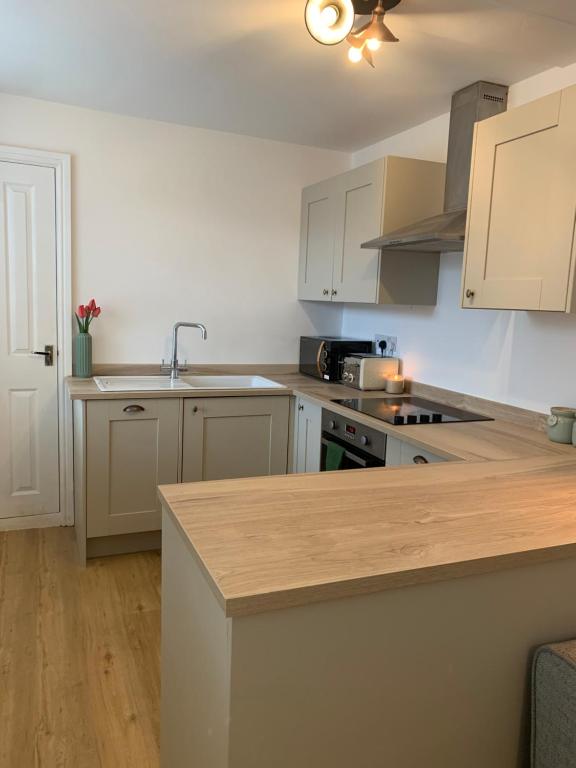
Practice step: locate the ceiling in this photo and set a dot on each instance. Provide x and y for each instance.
(250, 66)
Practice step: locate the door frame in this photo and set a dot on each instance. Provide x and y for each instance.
(61, 163)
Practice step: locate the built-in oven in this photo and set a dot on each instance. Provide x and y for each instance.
(347, 444)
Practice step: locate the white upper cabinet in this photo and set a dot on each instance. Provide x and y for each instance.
(317, 241)
(519, 249)
(358, 218)
(341, 213)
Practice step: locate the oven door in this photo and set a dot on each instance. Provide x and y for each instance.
(336, 455)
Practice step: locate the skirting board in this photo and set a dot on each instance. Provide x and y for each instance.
(125, 544)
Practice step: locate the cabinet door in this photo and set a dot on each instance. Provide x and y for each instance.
(358, 218)
(400, 453)
(522, 208)
(317, 241)
(226, 437)
(132, 446)
(308, 436)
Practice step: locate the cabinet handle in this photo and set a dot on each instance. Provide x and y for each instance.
(133, 409)
(334, 292)
(420, 460)
(195, 409)
(300, 407)
(325, 292)
(469, 293)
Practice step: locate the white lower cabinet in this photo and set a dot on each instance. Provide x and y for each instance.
(226, 437)
(124, 449)
(132, 446)
(307, 436)
(400, 453)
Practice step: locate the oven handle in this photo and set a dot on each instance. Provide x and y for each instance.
(321, 347)
(351, 456)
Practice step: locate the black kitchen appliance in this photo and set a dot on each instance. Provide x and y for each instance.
(360, 447)
(409, 410)
(322, 356)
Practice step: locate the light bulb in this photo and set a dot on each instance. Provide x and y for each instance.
(329, 21)
(355, 55)
(329, 16)
(373, 44)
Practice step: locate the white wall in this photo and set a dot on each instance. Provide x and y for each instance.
(177, 223)
(522, 358)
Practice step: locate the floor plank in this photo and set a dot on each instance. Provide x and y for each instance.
(79, 655)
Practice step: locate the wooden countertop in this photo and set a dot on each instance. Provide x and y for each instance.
(474, 441)
(500, 439)
(507, 498)
(275, 542)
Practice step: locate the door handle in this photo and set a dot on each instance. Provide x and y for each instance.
(48, 354)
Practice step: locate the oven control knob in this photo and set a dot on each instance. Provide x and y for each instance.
(332, 424)
(364, 440)
(436, 418)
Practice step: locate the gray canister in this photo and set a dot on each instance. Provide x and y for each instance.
(561, 424)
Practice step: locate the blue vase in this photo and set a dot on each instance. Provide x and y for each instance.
(83, 356)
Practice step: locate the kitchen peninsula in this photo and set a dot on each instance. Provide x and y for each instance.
(366, 618)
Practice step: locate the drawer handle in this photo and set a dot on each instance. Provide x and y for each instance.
(420, 460)
(134, 409)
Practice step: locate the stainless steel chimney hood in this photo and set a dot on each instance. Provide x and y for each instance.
(446, 231)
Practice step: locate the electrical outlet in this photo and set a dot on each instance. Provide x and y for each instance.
(386, 345)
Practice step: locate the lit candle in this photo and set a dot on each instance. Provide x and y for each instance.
(395, 384)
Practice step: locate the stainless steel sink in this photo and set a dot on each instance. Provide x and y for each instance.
(163, 383)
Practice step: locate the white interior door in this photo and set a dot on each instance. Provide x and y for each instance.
(29, 451)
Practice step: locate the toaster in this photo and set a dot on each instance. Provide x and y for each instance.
(368, 371)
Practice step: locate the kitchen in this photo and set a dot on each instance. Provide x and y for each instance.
(249, 221)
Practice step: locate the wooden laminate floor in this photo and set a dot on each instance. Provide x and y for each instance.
(79, 655)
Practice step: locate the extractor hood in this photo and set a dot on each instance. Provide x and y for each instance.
(446, 231)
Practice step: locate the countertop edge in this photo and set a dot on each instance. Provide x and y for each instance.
(251, 605)
(213, 584)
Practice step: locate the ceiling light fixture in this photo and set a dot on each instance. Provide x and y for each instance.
(332, 21)
(329, 21)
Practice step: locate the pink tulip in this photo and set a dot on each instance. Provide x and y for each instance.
(92, 305)
(81, 311)
(96, 311)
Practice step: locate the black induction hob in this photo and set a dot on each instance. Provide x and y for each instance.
(409, 410)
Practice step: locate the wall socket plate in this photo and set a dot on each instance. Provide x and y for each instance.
(391, 345)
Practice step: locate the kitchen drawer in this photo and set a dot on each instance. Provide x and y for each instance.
(399, 453)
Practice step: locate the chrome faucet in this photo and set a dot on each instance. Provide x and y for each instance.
(174, 365)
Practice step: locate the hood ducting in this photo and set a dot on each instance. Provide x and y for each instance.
(446, 231)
